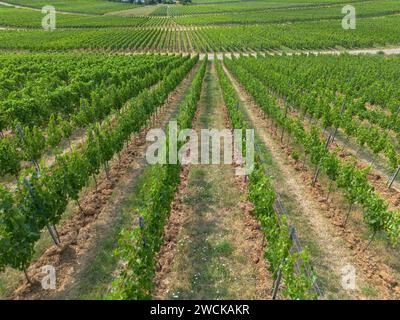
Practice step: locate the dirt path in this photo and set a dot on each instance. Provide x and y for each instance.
(379, 174)
(356, 229)
(83, 235)
(331, 247)
(213, 246)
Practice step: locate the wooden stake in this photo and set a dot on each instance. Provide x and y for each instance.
(106, 169)
(348, 215)
(394, 177)
(276, 284)
(27, 277)
(95, 182)
(54, 235)
(370, 241)
(79, 206)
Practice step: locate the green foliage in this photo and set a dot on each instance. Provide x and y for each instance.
(295, 155)
(297, 285)
(9, 158)
(321, 94)
(351, 180)
(33, 143)
(54, 131)
(82, 6)
(322, 34)
(137, 248)
(259, 12)
(44, 200)
(83, 105)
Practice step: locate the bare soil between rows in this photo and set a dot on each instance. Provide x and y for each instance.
(376, 177)
(82, 233)
(338, 245)
(202, 221)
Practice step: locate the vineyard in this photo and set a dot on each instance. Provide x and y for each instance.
(372, 33)
(210, 150)
(86, 6)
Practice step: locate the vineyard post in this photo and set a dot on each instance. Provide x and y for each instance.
(278, 279)
(337, 126)
(292, 233)
(348, 215)
(370, 240)
(141, 225)
(21, 133)
(51, 228)
(330, 140)
(319, 165)
(54, 234)
(392, 180)
(95, 181)
(286, 111)
(333, 136)
(119, 159)
(107, 170)
(27, 277)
